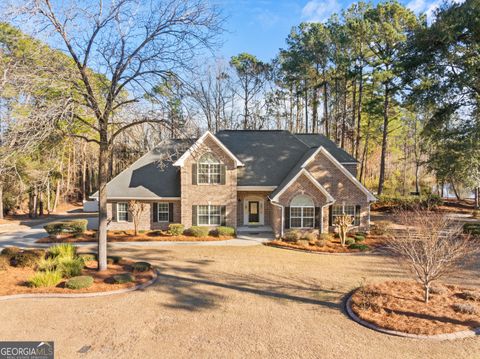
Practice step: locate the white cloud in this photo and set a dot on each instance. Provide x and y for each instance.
(417, 6)
(428, 7)
(316, 10)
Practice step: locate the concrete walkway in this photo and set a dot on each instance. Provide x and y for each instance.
(27, 236)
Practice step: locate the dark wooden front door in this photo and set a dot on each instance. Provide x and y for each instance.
(253, 212)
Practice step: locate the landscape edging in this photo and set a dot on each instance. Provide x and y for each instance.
(446, 336)
(81, 295)
(318, 252)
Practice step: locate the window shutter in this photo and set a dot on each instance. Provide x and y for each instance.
(357, 214)
(194, 215)
(287, 217)
(114, 211)
(222, 174)
(194, 173)
(318, 211)
(330, 216)
(170, 212)
(223, 218)
(155, 212)
(129, 215)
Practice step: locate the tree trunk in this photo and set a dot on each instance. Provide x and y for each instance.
(84, 173)
(344, 115)
(103, 160)
(426, 293)
(354, 107)
(40, 205)
(1, 199)
(477, 200)
(381, 179)
(455, 190)
(359, 113)
(325, 106)
(306, 107)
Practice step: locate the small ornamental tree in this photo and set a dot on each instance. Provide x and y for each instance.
(432, 246)
(136, 209)
(343, 222)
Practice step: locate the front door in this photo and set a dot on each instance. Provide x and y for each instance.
(253, 212)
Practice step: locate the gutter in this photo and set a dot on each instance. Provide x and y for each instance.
(282, 216)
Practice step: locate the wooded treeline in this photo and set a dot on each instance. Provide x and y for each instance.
(398, 92)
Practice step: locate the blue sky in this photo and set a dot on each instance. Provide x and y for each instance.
(261, 26)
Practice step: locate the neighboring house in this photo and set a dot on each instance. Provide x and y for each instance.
(242, 179)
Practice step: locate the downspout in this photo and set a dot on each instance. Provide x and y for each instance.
(282, 218)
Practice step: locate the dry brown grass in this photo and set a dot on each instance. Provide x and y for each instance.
(14, 280)
(128, 236)
(399, 306)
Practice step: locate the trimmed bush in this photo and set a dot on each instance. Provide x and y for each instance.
(10, 251)
(359, 238)
(292, 236)
(437, 289)
(464, 308)
(123, 278)
(176, 229)
(45, 279)
(197, 231)
(70, 267)
(223, 231)
(76, 226)
(310, 237)
(349, 241)
(25, 259)
(470, 295)
(79, 282)
(141, 266)
(472, 228)
(113, 259)
(359, 246)
(4, 262)
(325, 237)
(62, 250)
(87, 257)
(47, 264)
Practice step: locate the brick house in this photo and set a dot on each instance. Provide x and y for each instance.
(250, 180)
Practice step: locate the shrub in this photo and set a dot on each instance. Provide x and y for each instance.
(470, 295)
(141, 266)
(40, 253)
(197, 231)
(4, 262)
(141, 231)
(349, 241)
(464, 308)
(70, 267)
(113, 259)
(359, 246)
(25, 259)
(437, 289)
(291, 236)
(224, 231)
(123, 278)
(76, 226)
(310, 237)
(472, 228)
(476, 213)
(325, 236)
(321, 243)
(45, 279)
(80, 282)
(176, 229)
(380, 227)
(359, 238)
(62, 250)
(10, 251)
(87, 257)
(47, 264)
(408, 203)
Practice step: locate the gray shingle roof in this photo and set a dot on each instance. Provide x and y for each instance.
(271, 158)
(152, 175)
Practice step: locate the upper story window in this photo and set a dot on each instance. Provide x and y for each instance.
(209, 169)
(302, 212)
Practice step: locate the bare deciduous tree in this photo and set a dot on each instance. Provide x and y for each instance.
(343, 222)
(432, 246)
(136, 208)
(126, 46)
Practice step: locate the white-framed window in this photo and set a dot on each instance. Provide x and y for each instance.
(122, 211)
(302, 212)
(338, 210)
(163, 212)
(209, 215)
(208, 169)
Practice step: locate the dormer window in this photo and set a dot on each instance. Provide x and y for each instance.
(209, 169)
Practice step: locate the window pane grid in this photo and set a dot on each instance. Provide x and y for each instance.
(163, 212)
(209, 215)
(209, 170)
(302, 217)
(348, 210)
(122, 212)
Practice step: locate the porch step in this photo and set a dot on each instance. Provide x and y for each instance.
(254, 229)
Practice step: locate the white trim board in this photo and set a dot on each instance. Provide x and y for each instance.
(330, 199)
(351, 177)
(256, 188)
(141, 198)
(180, 162)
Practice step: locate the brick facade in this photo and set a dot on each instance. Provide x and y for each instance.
(146, 219)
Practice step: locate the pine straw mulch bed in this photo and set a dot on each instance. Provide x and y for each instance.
(128, 236)
(399, 306)
(331, 246)
(14, 279)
